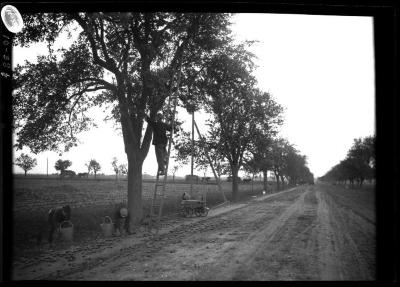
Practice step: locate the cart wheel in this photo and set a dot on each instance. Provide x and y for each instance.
(198, 211)
(188, 212)
(204, 211)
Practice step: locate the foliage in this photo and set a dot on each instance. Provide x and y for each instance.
(115, 166)
(25, 162)
(239, 110)
(358, 165)
(201, 148)
(123, 168)
(286, 162)
(95, 166)
(141, 51)
(62, 165)
(89, 167)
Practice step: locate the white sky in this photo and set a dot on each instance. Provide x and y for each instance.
(319, 68)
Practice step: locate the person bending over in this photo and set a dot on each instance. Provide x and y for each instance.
(120, 219)
(56, 216)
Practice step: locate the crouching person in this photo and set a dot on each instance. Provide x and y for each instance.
(56, 216)
(120, 219)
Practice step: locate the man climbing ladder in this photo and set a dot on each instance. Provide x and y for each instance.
(160, 141)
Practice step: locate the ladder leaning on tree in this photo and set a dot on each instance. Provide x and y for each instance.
(159, 188)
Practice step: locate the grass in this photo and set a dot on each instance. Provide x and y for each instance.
(91, 200)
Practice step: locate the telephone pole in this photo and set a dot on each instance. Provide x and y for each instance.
(191, 169)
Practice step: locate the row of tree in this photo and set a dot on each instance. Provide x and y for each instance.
(131, 62)
(275, 155)
(358, 165)
(27, 163)
(243, 123)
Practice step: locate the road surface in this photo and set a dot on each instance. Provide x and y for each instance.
(311, 232)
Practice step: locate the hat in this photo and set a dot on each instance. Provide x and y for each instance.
(123, 212)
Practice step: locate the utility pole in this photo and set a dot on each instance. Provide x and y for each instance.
(192, 144)
(192, 164)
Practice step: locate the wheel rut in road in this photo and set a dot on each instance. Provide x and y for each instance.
(306, 233)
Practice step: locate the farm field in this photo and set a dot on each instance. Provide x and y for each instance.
(91, 200)
(42, 193)
(310, 232)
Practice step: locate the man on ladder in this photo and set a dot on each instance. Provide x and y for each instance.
(160, 141)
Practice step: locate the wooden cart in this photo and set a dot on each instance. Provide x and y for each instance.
(193, 207)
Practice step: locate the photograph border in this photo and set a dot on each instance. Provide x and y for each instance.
(385, 21)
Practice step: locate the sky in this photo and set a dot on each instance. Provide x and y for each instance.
(319, 68)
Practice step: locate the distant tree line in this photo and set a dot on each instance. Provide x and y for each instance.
(27, 163)
(358, 166)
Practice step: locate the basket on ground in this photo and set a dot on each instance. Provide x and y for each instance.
(67, 230)
(107, 226)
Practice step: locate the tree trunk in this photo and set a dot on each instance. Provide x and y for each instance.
(265, 181)
(235, 185)
(25, 172)
(134, 192)
(252, 183)
(277, 181)
(283, 182)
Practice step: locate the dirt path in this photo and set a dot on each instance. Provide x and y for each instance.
(306, 233)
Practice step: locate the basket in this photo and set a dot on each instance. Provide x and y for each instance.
(107, 226)
(67, 230)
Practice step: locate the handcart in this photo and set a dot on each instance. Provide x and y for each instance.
(193, 207)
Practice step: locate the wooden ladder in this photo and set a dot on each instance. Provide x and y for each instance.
(159, 188)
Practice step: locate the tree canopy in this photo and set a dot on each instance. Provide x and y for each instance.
(131, 59)
(62, 165)
(25, 162)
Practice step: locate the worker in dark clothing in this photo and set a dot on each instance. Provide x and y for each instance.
(160, 141)
(120, 219)
(56, 216)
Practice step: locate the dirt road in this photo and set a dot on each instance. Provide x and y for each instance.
(320, 232)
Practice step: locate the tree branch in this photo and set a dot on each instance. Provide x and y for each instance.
(88, 32)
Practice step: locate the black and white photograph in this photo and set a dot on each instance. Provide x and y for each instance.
(193, 146)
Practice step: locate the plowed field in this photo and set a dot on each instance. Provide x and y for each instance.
(311, 232)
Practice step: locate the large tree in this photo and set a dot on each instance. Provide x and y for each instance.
(362, 155)
(62, 165)
(114, 164)
(95, 166)
(280, 149)
(25, 162)
(294, 165)
(261, 150)
(130, 59)
(238, 109)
